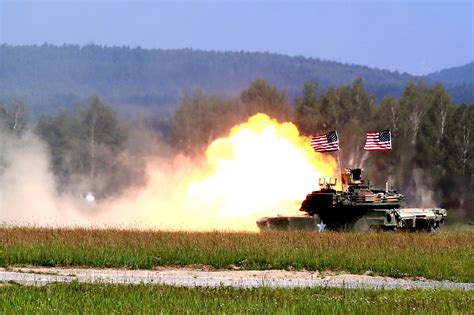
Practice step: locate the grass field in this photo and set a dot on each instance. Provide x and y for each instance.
(443, 256)
(78, 298)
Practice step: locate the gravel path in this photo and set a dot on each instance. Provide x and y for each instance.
(187, 277)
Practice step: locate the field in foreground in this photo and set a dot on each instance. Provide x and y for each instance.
(443, 256)
(100, 299)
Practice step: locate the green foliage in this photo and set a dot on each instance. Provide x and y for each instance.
(382, 166)
(101, 125)
(76, 298)
(84, 143)
(444, 256)
(454, 76)
(200, 118)
(307, 109)
(348, 109)
(261, 97)
(428, 146)
(49, 74)
(458, 160)
(14, 116)
(431, 147)
(432, 138)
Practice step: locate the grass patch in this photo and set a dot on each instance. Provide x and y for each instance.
(78, 298)
(443, 256)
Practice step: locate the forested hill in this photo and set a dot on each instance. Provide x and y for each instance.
(52, 75)
(454, 76)
(459, 81)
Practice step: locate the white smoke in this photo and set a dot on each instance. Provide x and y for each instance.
(28, 194)
(424, 195)
(27, 187)
(177, 192)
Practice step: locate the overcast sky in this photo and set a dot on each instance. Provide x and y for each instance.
(417, 37)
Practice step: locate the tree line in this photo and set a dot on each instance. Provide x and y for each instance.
(433, 141)
(55, 75)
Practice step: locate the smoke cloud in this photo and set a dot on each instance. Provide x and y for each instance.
(28, 194)
(425, 195)
(262, 169)
(27, 187)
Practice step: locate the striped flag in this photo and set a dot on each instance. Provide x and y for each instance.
(325, 143)
(379, 140)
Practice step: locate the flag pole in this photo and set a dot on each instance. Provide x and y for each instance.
(340, 167)
(339, 163)
(380, 140)
(390, 174)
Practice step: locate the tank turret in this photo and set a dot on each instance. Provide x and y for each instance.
(357, 207)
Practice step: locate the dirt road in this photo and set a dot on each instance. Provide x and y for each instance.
(203, 278)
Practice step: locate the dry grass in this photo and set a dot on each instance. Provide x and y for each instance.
(436, 256)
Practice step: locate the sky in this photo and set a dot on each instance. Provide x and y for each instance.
(417, 36)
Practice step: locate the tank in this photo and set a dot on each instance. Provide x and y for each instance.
(357, 207)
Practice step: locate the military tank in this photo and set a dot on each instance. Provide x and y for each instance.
(357, 207)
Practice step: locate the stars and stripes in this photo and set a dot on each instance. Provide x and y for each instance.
(325, 143)
(379, 140)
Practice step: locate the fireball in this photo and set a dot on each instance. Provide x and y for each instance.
(262, 168)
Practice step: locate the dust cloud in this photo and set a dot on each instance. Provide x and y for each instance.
(28, 194)
(263, 168)
(27, 187)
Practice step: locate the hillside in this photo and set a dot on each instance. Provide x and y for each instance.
(53, 75)
(454, 76)
(458, 80)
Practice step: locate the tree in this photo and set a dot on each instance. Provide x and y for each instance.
(14, 116)
(414, 104)
(349, 110)
(85, 145)
(102, 129)
(383, 166)
(60, 131)
(430, 151)
(199, 119)
(458, 183)
(307, 110)
(388, 115)
(261, 97)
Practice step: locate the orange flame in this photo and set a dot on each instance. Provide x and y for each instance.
(262, 168)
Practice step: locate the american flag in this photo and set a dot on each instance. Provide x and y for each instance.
(325, 143)
(379, 140)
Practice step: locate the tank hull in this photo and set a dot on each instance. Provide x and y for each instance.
(358, 207)
(360, 220)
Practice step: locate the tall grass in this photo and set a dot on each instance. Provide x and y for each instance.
(447, 256)
(78, 298)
